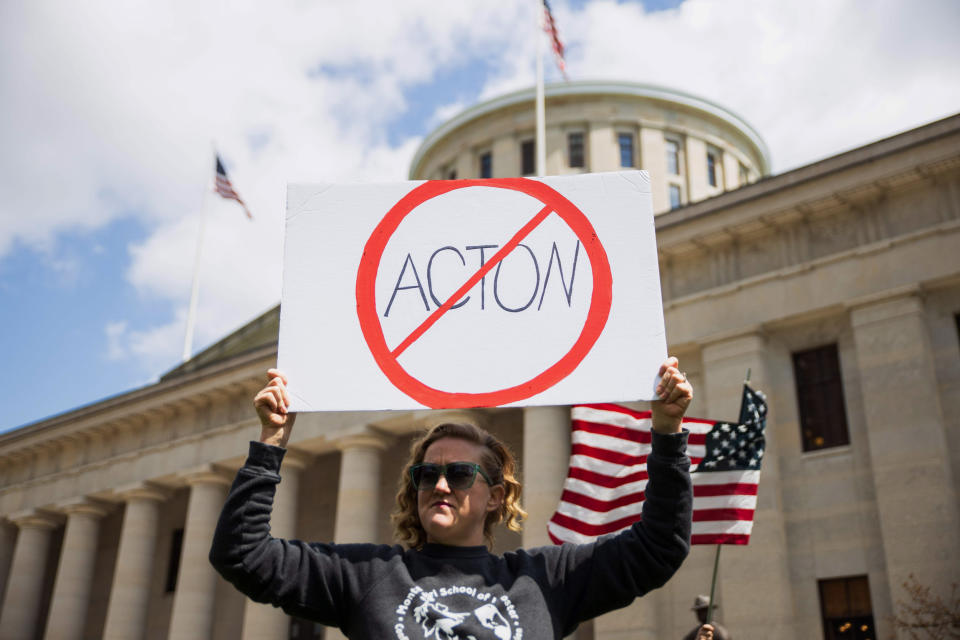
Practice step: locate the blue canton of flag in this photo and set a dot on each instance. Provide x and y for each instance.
(738, 446)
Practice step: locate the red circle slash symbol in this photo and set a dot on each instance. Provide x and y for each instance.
(387, 359)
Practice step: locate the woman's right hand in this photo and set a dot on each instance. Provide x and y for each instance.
(271, 404)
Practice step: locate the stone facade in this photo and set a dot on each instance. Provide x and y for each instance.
(861, 250)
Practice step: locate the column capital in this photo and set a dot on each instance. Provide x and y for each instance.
(34, 519)
(722, 346)
(362, 441)
(205, 474)
(546, 408)
(141, 491)
(295, 460)
(890, 304)
(82, 506)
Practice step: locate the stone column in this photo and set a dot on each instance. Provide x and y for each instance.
(133, 575)
(358, 494)
(194, 597)
(546, 456)
(8, 539)
(19, 618)
(915, 494)
(71, 589)
(264, 621)
(695, 168)
(602, 148)
(725, 365)
(653, 158)
(506, 156)
(543, 468)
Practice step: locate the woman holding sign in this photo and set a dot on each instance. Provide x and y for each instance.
(444, 584)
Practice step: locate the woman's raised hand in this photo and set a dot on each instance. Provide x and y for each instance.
(272, 404)
(675, 393)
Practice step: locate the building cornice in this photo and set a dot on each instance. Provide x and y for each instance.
(775, 186)
(587, 88)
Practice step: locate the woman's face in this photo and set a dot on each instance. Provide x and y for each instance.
(456, 517)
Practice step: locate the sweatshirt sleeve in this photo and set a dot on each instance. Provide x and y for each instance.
(610, 573)
(314, 581)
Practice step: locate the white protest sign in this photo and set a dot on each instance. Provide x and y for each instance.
(471, 293)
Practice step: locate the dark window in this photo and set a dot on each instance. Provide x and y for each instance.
(486, 165)
(846, 609)
(575, 147)
(673, 157)
(528, 157)
(452, 174)
(676, 198)
(823, 415)
(712, 168)
(744, 174)
(173, 564)
(626, 149)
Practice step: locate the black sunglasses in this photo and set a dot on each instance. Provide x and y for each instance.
(459, 475)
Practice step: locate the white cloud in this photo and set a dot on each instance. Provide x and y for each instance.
(116, 347)
(813, 78)
(109, 108)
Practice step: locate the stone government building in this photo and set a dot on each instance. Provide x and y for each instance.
(837, 284)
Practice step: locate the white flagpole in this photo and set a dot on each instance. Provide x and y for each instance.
(541, 143)
(195, 287)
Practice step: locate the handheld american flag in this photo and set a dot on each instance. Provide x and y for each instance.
(223, 186)
(603, 492)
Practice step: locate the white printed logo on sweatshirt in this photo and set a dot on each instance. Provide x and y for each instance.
(456, 613)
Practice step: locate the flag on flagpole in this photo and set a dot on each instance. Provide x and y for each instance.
(550, 26)
(603, 492)
(223, 186)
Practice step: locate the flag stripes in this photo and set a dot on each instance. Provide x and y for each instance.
(224, 187)
(550, 26)
(604, 489)
(602, 506)
(602, 480)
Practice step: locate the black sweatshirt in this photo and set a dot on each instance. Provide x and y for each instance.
(382, 592)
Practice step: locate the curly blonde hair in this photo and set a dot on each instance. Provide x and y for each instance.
(497, 460)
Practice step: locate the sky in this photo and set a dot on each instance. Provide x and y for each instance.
(111, 111)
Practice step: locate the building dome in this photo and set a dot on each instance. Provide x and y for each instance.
(693, 148)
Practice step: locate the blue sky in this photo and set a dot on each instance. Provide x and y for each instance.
(110, 110)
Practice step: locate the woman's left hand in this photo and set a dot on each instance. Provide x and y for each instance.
(675, 394)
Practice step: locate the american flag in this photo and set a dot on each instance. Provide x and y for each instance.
(550, 26)
(225, 188)
(603, 492)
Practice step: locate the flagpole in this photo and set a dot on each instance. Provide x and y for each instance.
(195, 286)
(713, 585)
(541, 144)
(716, 560)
